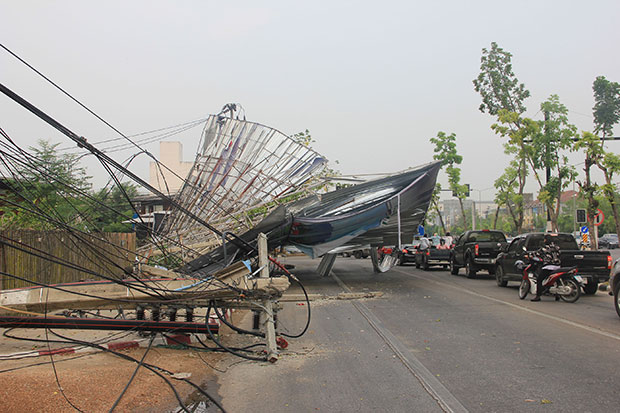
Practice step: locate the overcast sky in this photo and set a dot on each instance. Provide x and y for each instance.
(372, 81)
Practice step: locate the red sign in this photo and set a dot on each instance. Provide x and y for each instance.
(599, 218)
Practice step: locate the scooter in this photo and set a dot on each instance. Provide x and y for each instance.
(563, 282)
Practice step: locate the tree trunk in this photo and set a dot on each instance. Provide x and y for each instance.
(463, 212)
(495, 219)
(443, 226)
(611, 197)
(522, 175)
(591, 201)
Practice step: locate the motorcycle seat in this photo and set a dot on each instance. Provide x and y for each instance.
(566, 269)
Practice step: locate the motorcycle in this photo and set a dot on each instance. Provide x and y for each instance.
(564, 283)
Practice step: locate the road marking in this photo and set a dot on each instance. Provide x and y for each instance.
(446, 400)
(529, 310)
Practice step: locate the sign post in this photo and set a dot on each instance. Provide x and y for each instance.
(598, 220)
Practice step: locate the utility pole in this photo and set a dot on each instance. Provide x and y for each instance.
(473, 214)
(547, 169)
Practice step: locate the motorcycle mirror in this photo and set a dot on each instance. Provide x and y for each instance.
(520, 265)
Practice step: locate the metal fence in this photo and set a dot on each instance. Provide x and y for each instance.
(50, 257)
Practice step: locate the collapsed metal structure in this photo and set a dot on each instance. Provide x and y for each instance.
(240, 169)
(247, 179)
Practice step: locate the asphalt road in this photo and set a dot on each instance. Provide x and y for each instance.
(433, 342)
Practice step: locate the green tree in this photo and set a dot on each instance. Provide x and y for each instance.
(593, 148)
(434, 205)
(606, 108)
(503, 96)
(48, 187)
(445, 151)
(606, 113)
(109, 218)
(303, 137)
(509, 194)
(555, 137)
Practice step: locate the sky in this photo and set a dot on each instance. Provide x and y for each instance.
(371, 81)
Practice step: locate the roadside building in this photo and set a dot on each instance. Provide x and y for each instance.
(169, 179)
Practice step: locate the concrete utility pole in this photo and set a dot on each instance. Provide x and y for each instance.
(473, 214)
(270, 328)
(548, 171)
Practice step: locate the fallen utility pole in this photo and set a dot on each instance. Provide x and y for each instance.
(75, 323)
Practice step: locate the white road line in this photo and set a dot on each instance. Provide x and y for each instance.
(446, 400)
(529, 310)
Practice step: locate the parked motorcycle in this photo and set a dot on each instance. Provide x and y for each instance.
(561, 282)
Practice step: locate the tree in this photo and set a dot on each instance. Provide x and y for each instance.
(556, 136)
(109, 218)
(445, 151)
(48, 187)
(606, 108)
(606, 113)
(510, 194)
(593, 148)
(497, 84)
(435, 206)
(503, 96)
(303, 138)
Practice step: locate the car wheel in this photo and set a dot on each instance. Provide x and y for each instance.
(454, 270)
(499, 277)
(617, 298)
(470, 272)
(590, 288)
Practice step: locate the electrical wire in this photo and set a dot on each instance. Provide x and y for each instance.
(133, 376)
(231, 351)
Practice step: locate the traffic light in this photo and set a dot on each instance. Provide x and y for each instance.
(581, 216)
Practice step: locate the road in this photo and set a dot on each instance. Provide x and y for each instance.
(433, 342)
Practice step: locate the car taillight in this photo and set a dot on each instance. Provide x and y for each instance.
(476, 249)
(405, 251)
(609, 262)
(428, 253)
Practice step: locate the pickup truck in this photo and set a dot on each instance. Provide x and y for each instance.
(431, 251)
(476, 250)
(593, 266)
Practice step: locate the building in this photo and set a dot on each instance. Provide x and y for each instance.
(169, 179)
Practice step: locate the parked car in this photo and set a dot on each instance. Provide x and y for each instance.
(609, 241)
(614, 283)
(476, 250)
(408, 253)
(592, 266)
(432, 251)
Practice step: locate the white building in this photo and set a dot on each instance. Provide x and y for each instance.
(170, 178)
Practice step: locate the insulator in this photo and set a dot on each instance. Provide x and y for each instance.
(172, 314)
(189, 314)
(155, 313)
(139, 313)
(256, 320)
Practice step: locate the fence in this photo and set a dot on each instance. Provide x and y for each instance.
(50, 257)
